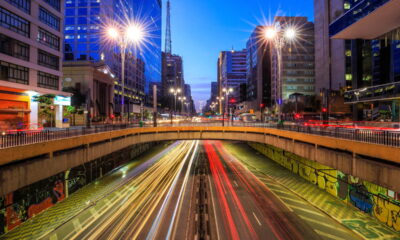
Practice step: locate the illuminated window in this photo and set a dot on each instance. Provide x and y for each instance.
(346, 5)
(349, 77)
(348, 53)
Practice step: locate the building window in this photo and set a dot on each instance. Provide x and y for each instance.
(70, 3)
(54, 3)
(14, 73)
(46, 80)
(49, 18)
(346, 6)
(70, 12)
(82, 11)
(24, 5)
(14, 22)
(14, 48)
(48, 60)
(48, 39)
(69, 21)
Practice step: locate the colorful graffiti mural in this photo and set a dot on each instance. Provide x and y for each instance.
(25, 203)
(370, 198)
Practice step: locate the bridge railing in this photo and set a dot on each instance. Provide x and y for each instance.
(389, 138)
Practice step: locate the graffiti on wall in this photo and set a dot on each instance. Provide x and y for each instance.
(25, 203)
(370, 198)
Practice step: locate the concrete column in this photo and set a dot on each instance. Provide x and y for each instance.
(34, 115)
(353, 164)
(59, 116)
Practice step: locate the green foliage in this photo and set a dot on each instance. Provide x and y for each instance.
(46, 99)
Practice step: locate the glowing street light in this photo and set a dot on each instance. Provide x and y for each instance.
(175, 92)
(182, 100)
(226, 91)
(134, 33)
(270, 33)
(290, 33)
(124, 36)
(279, 37)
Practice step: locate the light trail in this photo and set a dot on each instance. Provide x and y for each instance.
(181, 191)
(142, 202)
(274, 210)
(221, 172)
(222, 198)
(153, 231)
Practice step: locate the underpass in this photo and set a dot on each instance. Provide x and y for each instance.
(197, 200)
(192, 190)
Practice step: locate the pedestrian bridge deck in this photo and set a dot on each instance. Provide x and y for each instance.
(149, 134)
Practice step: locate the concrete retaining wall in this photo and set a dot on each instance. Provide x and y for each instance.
(377, 201)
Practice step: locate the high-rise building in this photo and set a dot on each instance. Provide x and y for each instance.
(232, 71)
(332, 60)
(297, 73)
(258, 72)
(30, 59)
(214, 91)
(172, 76)
(85, 41)
(373, 29)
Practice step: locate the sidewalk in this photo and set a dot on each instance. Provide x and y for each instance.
(55, 216)
(284, 183)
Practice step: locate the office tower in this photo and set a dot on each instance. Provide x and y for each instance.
(297, 73)
(374, 34)
(258, 72)
(232, 71)
(85, 40)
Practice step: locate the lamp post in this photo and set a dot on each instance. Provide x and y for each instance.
(175, 92)
(182, 100)
(220, 103)
(279, 37)
(124, 36)
(187, 109)
(226, 91)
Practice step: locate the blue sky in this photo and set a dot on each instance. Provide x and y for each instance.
(203, 28)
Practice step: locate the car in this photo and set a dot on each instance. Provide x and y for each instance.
(27, 128)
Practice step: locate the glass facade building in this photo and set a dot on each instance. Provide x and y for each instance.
(84, 41)
(375, 58)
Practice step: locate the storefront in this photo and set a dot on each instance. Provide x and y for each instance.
(14, 108)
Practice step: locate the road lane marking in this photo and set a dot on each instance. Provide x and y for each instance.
(323, 224)
(258, 221)
(307, 210)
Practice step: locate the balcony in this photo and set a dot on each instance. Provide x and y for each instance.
(369, 19)
(383, 92)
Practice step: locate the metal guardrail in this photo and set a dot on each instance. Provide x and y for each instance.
(383, 137)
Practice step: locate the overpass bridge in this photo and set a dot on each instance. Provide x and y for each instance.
(369, 155)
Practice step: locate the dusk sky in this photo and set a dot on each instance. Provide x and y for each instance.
(203, 28)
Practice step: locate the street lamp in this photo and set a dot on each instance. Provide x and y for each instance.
(124, 36)
(226, 91)
(175, 92)
(182, 99)
(220, 104)
(187, 108)
(279, 37)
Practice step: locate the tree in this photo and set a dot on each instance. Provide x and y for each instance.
(46, 107)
